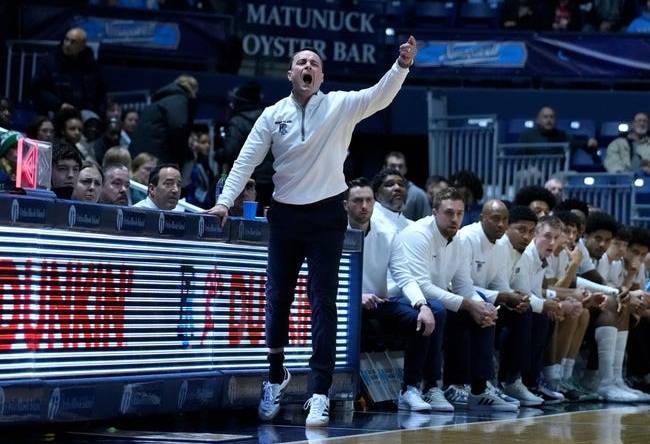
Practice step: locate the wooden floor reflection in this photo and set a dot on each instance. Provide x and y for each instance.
(629, 425)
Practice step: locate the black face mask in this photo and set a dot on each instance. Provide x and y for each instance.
(63, 192)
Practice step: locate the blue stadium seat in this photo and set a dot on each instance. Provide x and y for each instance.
(642, 190)
(577, 127)
(611, 130)
(428, 14)
(517, 126)
(582, 162)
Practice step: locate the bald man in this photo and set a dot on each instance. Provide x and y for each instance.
(491, 280)
(69, 77)
(556, 187)
(545, 131)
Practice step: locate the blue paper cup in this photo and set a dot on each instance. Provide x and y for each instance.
(250, 209)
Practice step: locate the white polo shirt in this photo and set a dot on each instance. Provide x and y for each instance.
(612, 271)
(511, 259)
(557, 265)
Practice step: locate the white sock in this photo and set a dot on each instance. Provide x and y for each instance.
(619, 355)
(567, 368)
(557, 372)
(606, 341)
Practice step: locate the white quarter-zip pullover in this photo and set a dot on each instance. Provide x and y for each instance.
(309, 144)
(436, 263)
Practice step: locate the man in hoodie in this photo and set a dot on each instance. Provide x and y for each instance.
(165, 125)
(69, 77)
(308, 133)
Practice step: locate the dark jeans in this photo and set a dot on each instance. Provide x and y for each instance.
(422, 354)
(313, 232)
(469, 350)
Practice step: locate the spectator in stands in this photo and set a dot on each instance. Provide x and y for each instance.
(537, 198)
(411, 315)
(89, 183)
(417, 203)
(520, 14)
(142, 166)
(248, 194)
(641, 24)
(92, 129)
(546, 132)
(389, 186)
(115, 188)
(434, 185)
(305, 218)
(164, 126)
(246, 106)
(198, 177)
(609, 15)
(630, 152)
(437, 260)
(130, 119)
(556, 187)
(5, 113)
(69, 77)
(41, 128)
(66, 163)
(8, 159)
(113, 111)
(471, 187)
(164, 189)
(117, 154)
(68, 129)
(560, 15)
(109, 139)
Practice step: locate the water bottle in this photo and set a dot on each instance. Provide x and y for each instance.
(218, 188)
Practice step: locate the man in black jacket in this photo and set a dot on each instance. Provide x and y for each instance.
(69, 77)
(246, 108)
(165, 125)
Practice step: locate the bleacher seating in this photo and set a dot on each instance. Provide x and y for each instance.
(479, 15)
(434, 14)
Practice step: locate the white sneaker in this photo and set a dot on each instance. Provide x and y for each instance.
(497, 391)
(519, 391)
(411, 399)
(319, 411)
(271, 395)
(457, 395)
(489, 401)
(611, 393)
(641, 396)
(435, 397)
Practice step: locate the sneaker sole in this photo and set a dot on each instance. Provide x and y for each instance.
(524, 403)
(442, 408)
(406, 408)
(320, 423)
(493, 408)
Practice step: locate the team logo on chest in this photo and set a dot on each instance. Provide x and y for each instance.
(283, 126)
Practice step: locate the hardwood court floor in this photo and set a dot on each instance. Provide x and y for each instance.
(571, 423)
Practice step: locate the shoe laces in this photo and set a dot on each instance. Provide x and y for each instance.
(316, 404)
(269, 395)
